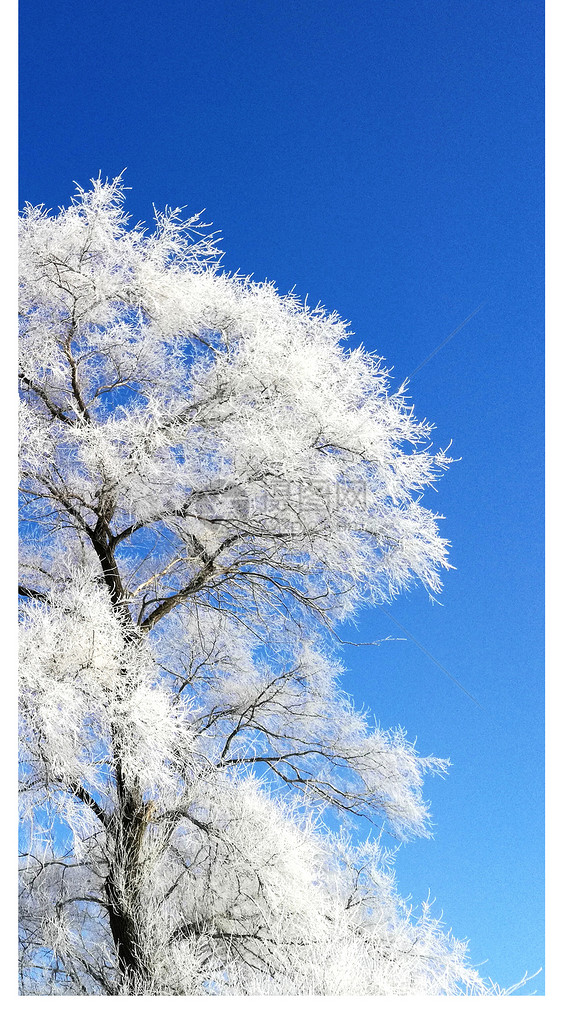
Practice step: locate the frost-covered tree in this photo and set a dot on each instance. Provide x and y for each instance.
(210, 483)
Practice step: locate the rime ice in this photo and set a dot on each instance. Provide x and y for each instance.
(209, 483)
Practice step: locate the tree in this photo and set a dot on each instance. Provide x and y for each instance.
(210, 484)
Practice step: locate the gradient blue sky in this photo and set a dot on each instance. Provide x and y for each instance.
(384, 158)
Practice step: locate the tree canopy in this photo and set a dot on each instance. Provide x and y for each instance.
(212, 480)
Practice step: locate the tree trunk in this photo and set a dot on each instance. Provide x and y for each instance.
(124, 884)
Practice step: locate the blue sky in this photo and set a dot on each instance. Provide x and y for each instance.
(384, 158)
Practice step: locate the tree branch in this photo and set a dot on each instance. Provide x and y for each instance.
(31, 593)
(55, 411)
(194, 585)
(84, 796)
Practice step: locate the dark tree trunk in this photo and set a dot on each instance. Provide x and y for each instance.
(123, 884)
